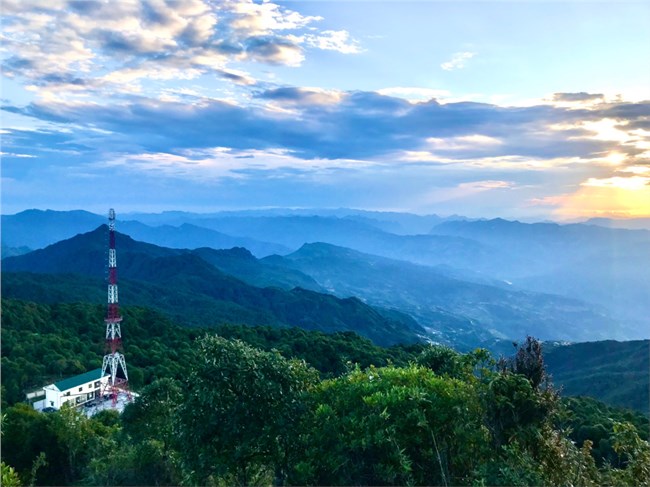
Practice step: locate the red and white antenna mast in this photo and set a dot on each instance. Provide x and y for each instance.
(114, 363)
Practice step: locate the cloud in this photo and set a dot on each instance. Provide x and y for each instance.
(458, 61)
(236, 76)
(302, 96)
(607, 198)
(486, 185)
(13, 154)
(331, 40)
(111, 47)
(216, 163)
(414, 94)
(314, 123)
(631, 183)
(578, 97)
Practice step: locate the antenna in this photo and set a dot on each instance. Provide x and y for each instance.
(114, 362)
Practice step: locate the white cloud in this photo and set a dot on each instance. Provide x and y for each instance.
(332, 40)
(633, 183)
(76, 47)
(205, 165)
(486, 185)
(457, 61)
(13, 154)
(414, 94)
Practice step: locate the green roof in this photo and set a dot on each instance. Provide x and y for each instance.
(77, 380)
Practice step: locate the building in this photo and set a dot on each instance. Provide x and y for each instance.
(77, 390)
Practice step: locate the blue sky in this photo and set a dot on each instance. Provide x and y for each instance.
(533, 110)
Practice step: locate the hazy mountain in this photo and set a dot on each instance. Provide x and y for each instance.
(36, 229)
(462, 312)
(531, 248)
(192, 290)
(616, 373)
(187, 236)
(294, 231)
(11, 251)
(606, 267)
(240, 263)
(390, 221)
(629, 223)
(603, 266)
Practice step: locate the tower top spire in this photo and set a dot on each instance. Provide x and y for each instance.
(111, 219)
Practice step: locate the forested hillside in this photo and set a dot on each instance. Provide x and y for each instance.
(456, 310)
(617, 373)
(191, 290)
(43, 343)
(300, 398)
(239, 415)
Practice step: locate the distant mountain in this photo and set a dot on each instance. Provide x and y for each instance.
(240, 263)
(294, 231)
(36, 229)
(531, 248)
(188, 236)
(11, 251)
(192, 290)
(603, 266)
(617, 373)
(629, 223)
(458, 312)
(390, 221)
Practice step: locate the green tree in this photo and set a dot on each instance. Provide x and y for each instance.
(9, 477)
(240, 413)
(387, 426)
(528, 361)
(152, 415)
(635, 455)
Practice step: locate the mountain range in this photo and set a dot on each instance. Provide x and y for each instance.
(190, 289)
(460, 311)
(465, 281)
(617, 373)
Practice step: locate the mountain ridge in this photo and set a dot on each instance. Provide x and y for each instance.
(176, 278)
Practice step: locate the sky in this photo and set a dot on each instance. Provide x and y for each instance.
(529, 110)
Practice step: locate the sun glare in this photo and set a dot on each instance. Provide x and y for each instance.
(614, 197)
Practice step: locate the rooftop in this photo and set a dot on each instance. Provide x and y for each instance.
(77, 380)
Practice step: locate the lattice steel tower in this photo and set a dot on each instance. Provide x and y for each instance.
(114, 363)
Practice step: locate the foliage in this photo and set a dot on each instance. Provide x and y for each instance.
(617, 373)
(330, 354)
(202, 295)
(527, 361)
(636, 454)
(387, 426)
(446, 361)
(8, 476)
(240, 412)
(248, 408)
(588, 420)
(45, 343)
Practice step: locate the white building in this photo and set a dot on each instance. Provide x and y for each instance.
(76, 390)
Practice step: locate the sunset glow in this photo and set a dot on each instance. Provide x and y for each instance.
(241, 103)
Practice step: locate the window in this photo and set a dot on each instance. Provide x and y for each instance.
(80, 389)
(67, 393)
(90, 386)
(97, 384)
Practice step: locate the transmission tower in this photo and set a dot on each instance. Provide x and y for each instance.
(114, 363)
